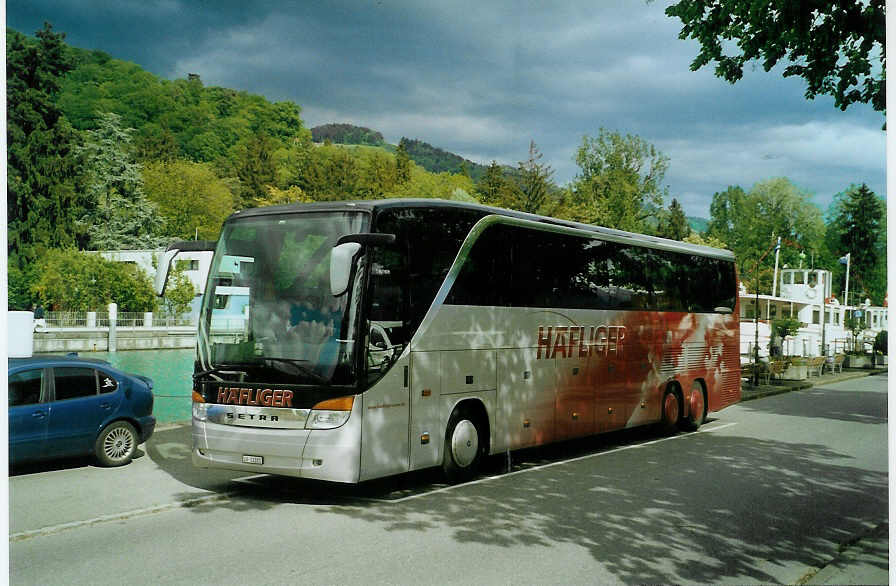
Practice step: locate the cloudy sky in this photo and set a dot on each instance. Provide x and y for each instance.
(482, 79)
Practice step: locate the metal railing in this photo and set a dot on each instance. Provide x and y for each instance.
(124, 319)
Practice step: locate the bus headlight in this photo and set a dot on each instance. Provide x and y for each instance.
(200, 407)
(331, 413)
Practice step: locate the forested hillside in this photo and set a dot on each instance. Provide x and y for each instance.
(346, 134)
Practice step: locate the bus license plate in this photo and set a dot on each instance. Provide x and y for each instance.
(253, 460)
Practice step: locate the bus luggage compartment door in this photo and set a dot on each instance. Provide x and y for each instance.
(526, 399)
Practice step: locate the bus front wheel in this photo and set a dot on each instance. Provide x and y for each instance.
(463, 446)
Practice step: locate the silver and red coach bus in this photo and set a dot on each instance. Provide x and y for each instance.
(387, 336)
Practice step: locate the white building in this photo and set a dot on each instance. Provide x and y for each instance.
(195, 264)
(805, 294)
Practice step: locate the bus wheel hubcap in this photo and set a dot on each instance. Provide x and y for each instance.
(696, 405)
(464, 443)
(671, 408)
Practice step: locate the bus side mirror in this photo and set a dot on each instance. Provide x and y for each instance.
(341, 266)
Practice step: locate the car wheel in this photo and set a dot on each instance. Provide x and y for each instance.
(463, 446)
(116, 444)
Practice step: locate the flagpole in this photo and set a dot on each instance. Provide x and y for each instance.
(775, 281)
(846, 301)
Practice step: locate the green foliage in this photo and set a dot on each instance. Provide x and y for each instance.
(436, 160)
(179, 293)
(749, 223)
(68, 280)
(189, 197)
(857, 225)
(256, 169)
(402, 163)
(786, 327)
(620, 183)
(347, 134)
(44, 193)
(855, 325)
(880, 342)
(837, 47)
(534, 183)
(674, 224)
(122, 217)
(494, 188)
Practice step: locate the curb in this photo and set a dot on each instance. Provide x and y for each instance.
(768, 391)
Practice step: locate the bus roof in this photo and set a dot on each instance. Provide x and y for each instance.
(381, 204)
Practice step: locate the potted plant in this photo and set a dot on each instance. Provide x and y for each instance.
(856, 358)
(797, 368)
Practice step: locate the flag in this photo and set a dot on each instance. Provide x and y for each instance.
(844, 260)
(778, 245)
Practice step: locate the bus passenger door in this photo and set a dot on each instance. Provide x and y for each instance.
(426, 433)
(384, 428)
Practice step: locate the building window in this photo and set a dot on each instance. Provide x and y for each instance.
(816, 316)
(191, 264)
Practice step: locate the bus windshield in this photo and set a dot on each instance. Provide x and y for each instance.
(268, 314)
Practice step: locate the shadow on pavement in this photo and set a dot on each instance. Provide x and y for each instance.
(63, 464)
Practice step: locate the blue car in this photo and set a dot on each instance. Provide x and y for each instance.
(61, 406)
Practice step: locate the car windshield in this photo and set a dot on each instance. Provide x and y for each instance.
(268, 313)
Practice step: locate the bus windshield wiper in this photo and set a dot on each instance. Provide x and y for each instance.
(300, 366)
(218, 372)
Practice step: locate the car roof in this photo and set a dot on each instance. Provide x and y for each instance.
(52, 359)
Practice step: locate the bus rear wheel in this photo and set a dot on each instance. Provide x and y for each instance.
(463, 446)
(671, 412)
(696, 409)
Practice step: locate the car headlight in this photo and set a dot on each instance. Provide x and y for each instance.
(330, 414)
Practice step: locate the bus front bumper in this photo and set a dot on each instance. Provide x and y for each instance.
(322, 454)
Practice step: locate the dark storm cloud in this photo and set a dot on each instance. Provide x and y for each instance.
(483, 79)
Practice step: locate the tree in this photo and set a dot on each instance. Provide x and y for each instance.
(675, 224)
(190, 198)
(492, 187)
(122, 217)
(855, 325)
(724, 212)
(786, 327)
(402, 162)
(620, 183)
(68, 280)
(534, 182)
(256, 169)
(179, 293)
(752, 222)
(45, 198)
(836, 47)
(857, 225)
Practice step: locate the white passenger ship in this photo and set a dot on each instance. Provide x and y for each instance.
(804, 294)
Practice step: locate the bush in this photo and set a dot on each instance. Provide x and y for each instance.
(68, 280)
(880, 342)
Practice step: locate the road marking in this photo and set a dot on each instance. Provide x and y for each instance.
(53, 529)
(557, 463)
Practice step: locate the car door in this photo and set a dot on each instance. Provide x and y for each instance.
(79, 409)
(29, 414)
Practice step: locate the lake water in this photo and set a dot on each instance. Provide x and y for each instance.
(170, 370)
